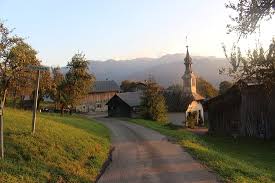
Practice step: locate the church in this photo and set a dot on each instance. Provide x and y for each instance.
(191, 99)
(186, 103)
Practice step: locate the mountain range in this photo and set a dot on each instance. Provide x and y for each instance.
(167, 70)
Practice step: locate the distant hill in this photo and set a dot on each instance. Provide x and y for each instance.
(167, 70)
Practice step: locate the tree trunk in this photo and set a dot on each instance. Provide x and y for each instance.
(2, 124)
(62, 110)
(14, 100)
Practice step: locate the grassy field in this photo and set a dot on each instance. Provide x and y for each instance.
(242, 160)
(64, 149)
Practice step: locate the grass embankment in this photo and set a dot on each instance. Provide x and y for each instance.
(64, 149)
(242, 160)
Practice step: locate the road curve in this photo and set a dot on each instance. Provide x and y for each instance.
(145, 156)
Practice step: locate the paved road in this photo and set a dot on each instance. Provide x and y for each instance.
(145, 156)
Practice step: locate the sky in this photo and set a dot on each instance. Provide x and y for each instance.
(123, 29)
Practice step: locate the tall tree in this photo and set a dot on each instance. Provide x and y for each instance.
(77, 83)
(23, 55)
(8, 68)
(249, 14)
(205, 88)
(224, 86)
(45, 87)
(153, 103)
(58, 79)
(257, 67)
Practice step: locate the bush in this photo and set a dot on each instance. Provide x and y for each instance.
(153, 103)
(192, 119)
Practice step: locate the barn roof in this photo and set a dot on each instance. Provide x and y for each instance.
(131, 98)
(105, 86)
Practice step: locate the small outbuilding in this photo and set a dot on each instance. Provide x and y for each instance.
(125, 104)
(245, 109)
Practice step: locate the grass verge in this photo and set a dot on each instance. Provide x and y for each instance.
(63, 149)
(242, 160)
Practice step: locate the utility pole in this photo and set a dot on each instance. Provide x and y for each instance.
(35, 102)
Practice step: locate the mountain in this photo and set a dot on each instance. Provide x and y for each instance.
(167, 70)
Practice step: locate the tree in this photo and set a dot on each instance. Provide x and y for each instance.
(224, 86)
(22, 84)
(77, 83)
(58, 79)
(45, 87)
(206, 89)
(126, 85)
(153, 103)
(8, 68)
(257, 67)
(249, 14)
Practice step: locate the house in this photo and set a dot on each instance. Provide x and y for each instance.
(101, 92)
(245, 109)
(125, 104)
(189, 101)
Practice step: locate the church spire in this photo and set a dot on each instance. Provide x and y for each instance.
(188, 62)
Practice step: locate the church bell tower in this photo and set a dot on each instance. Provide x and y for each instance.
(189, 78)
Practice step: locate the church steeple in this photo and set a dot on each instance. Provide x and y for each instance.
(188, 62)
(189, 79)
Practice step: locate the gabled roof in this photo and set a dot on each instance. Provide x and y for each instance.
(105, 86)
(131, 98)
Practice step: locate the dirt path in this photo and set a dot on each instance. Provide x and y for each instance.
(145, 156)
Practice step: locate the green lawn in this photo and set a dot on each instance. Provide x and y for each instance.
(64, 149)
(244, 160)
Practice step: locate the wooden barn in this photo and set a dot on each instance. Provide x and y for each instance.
(125, 104)
(101, 92)
(243, 110)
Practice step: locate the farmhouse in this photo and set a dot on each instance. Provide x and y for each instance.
(101, 92)
(244, 110)
(125, 104)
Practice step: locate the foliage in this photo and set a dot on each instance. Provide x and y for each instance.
(65, 149)
(192, 119)
(58, 78)
(22, 84)
(153, 103)
(206, 89)
(224, 86)
(46, 85)
(77, 83)
(131, 86)
(249, 14)
(8, 68)
(257, 67)
(245, 160)
(175, 88)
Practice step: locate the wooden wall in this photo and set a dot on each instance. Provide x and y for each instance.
(248, 111)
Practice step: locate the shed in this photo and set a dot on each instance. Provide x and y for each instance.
(245, 110)
(125, 104)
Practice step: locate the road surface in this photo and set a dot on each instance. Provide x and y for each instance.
(145, 156)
